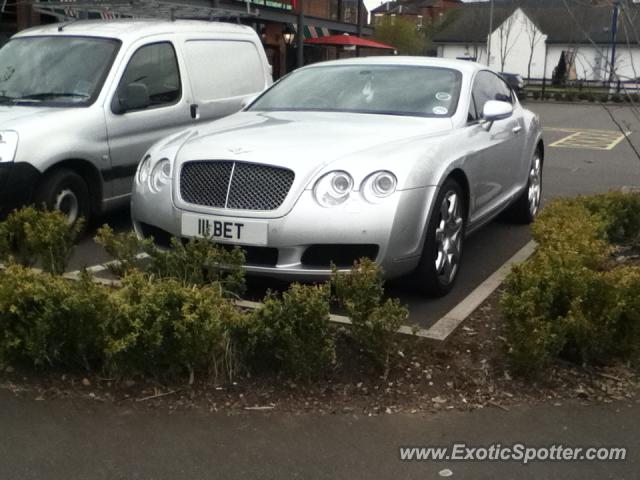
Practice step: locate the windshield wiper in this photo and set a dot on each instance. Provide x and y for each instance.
(7, 99)
(47, 95)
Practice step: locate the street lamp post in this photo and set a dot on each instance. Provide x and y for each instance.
(490, 32)
(614, 34)
(300, 35)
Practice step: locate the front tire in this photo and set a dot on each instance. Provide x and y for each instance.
(66, 191)
(439, 265)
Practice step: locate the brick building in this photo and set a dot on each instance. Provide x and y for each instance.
(419, 12)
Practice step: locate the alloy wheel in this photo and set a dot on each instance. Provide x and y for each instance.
(535, 186)
(449, 231)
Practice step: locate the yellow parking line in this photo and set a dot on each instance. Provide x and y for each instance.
(589, 139)
(564, 139)
(617, 141)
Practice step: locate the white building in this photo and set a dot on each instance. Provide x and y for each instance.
(529, 37)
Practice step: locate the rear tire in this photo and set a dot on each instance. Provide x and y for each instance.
(64, 190)
(439, 265)
(526, 207)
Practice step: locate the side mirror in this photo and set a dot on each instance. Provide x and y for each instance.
(496, 110)
(134, 96)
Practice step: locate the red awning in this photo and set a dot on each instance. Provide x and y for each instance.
(347, 40)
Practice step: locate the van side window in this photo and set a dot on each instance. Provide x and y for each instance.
(224, 68)
(155, 67)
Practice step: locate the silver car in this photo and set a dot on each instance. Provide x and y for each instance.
(391, 158)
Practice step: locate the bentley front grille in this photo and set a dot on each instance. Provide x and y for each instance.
(235, 185)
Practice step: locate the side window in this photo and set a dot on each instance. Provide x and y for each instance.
(488, 86)
(224, 68)
(154, 69)
(503, 90)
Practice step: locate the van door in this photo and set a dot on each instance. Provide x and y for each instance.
(147, 105)
(223, 72)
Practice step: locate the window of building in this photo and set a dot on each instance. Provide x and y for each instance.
(350, 11)
(334, 9)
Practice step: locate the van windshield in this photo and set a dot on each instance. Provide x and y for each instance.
(54, 70)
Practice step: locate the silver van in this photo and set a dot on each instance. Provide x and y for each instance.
(80, 103)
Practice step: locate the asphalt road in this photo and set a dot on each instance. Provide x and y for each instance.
(568, 171)
(87, 440)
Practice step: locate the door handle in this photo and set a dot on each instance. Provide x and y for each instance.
(517, 129)
(193, 108)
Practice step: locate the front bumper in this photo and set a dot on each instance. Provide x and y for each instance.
(301, 243)
(17, 183)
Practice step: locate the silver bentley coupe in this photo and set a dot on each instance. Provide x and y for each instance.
(392, 158)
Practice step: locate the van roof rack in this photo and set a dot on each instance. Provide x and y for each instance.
(74, 10)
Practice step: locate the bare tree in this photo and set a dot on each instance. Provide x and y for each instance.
(534, 35)
(506, 41)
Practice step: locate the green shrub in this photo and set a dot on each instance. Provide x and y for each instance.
(200, 261)
(583, 96)
(616, 98)
(569, 97)
(125, 248)
(536, 95)
(45, 319)
(36, 237)
(566, 300)
(375, 321)
(163, 327)
(620, 213)
(557, 96)
(292, 332)
(197, 262)
(604, 98)
(591, 97)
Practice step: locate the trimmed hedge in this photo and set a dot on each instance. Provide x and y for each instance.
(173, 315)
(569, 300)
(34, 237)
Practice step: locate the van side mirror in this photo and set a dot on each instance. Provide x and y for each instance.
(134, 96)
(496, 110)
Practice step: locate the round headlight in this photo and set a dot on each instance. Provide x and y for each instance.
(333, 188)
(143, 169)
(379, 185)
(160, 175)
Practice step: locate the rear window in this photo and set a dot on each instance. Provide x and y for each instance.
(224, 68)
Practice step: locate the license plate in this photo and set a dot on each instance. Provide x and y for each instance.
(225, 229)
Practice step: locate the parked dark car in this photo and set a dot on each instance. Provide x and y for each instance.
(516, 82)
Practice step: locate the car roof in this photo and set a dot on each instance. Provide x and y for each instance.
(131, 29)
(465, 66)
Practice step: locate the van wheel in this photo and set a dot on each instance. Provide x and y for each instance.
(442, 252)
(66, 191)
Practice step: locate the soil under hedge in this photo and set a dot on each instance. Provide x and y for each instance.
(467, 372)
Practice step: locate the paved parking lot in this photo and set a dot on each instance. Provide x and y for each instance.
(586, 153)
